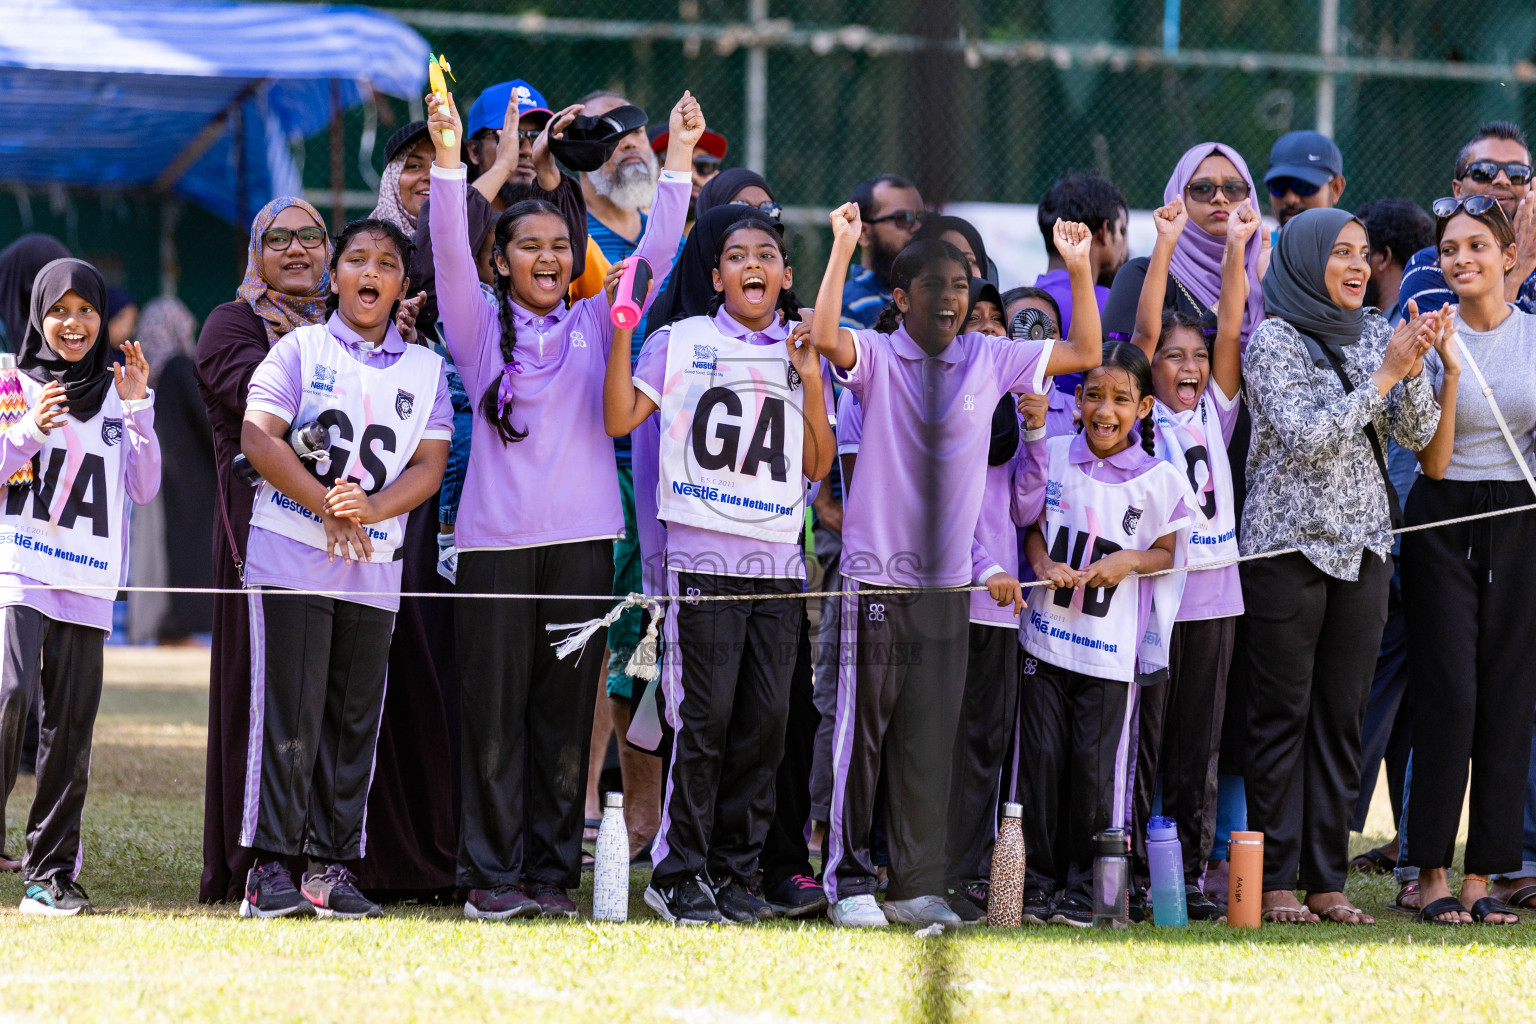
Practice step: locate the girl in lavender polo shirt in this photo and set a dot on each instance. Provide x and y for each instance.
(1196, 382)
(334, 524)
(539, 514)
(927, 392)
(746, 421)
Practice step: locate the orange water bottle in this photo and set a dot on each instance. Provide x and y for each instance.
(1245, 881)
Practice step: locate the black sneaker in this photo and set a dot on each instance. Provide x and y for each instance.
(270, 892)
(55, 897)
(1070, 910)
(738, 905)
(969, 902)
(687, 902)
(334, 893)
(1037, 908)
(1201, 907)
(553, 901)
(797, 896)
(499, 903)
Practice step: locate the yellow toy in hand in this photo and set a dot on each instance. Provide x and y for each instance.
(436, 68)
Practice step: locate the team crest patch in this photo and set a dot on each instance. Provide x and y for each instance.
(792, 377)
(405, 404)
(1132, 518)
(111, 432)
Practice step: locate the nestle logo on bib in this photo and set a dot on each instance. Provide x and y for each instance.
(325, 378)
(704, 357)
(405, 403)
(111, 432)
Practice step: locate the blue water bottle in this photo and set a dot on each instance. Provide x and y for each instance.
(1165, 859)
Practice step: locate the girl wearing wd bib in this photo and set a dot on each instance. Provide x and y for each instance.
(1110, 509)
(538, 515)
(1196, 385)
(745, 422)
(90, 446)
(335, 524)
(928, 393)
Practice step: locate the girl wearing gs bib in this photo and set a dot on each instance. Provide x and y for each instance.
(335, 524)
(927, 393)
(538, 515)
(1110, 508)
(89, 441)
(745, 422)
(1196, 381)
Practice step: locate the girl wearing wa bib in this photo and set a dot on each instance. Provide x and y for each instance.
(1108, 508)
(745, 423)
(90, 445)
(318, 661)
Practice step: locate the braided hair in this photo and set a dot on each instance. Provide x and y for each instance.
(404, 247)
(506, 225)
(917, 257)
(1123, 355)
(788, 304)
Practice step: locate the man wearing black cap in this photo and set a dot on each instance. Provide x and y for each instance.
(1306, 172)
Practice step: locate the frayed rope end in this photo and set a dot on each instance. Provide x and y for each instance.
(581, 632)
(644, 663)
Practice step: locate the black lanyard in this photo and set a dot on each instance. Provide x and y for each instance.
(1394, 510)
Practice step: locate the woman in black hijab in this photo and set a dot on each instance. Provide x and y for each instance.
(1327, 382)
(19, 264)
(740, 186)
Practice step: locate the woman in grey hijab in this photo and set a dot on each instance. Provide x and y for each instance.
(1328, 382)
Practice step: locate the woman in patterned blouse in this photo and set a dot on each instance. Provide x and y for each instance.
(1317, 484)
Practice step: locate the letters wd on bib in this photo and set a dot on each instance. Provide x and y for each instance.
(731, 434)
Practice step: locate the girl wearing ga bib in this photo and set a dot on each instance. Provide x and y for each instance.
(1196, 381)
(538, 516)
(1110, 508)
(333, 524)
(86, 447)
(927, 391)
(745, 422)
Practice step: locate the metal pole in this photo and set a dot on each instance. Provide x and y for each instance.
(338, 159)
(757, 92)
(170, 263)
(1327, 47)
(1170, 26)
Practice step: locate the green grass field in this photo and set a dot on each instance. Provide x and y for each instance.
(155, 954)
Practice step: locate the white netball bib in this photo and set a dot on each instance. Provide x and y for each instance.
(376, 416)
(1191, 443)
(68, 527)
(732, 430)
(1097, 630)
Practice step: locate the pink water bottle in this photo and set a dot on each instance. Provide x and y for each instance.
(629, 300)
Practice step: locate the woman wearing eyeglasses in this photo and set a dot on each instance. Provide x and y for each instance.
(741, 187)
(1211, 179)
(1471, 640)
(285, 287)
(1327, 383)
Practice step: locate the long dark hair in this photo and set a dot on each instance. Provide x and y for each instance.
(910, 264)
(373, 225)
(506, 224)
(788, 304)
(1125, 356)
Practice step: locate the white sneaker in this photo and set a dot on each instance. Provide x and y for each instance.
(856, 912)
(922, 910)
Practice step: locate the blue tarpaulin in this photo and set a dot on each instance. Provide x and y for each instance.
(118, 94)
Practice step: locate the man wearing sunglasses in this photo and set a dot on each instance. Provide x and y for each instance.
(1306, 172)
(1496, 162)
(892, 210)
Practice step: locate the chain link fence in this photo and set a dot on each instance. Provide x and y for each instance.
(978, 100)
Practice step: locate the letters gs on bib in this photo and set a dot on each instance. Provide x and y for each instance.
(375, 437)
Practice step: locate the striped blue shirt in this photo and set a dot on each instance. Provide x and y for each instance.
(864, 296)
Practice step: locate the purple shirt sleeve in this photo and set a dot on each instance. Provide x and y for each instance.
(983, 565)
(651, 368)
(440, 425)
(869, 351)
(18, 444)
(275, 385)
(1020, 364)
(143, 451)
(1226, 410)
(469, 322)
(1029, 480)
(850, 423)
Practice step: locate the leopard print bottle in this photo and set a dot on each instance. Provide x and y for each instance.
(1005, 899)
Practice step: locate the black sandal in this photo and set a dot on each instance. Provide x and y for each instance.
(1398, 906)
(1373, 861)
(1521, 897)
(1487, 906)
(1443, 905)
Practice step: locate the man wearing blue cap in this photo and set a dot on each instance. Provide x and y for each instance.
(484, 136)
(1306, 172)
